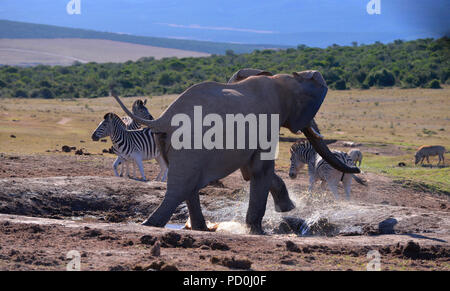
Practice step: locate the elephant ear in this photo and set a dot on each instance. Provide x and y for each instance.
(311, 75)
(309, 101)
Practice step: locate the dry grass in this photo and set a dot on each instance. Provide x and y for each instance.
(406, 118)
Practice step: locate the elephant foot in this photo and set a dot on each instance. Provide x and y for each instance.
(200, 225)
(285, 206)
(150, 222)
(256, 229)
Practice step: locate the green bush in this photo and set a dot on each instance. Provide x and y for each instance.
(340, 85)
(19, 93)
(381, 78)
(409, 64)
(434, 84)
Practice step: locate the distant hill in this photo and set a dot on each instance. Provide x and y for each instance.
(14, 29)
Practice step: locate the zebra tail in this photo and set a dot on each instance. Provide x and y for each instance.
(359, 180)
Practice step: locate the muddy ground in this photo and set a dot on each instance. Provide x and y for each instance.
(52, 204)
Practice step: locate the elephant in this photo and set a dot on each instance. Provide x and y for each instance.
(295, 98)
(248, 72)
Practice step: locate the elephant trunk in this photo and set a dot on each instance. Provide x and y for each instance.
(321, 148)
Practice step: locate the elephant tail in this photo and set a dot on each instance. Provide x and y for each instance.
(156, 125)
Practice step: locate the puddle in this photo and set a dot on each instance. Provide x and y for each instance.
(174, 226)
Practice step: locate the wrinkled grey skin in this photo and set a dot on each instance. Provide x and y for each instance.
(296, 98)
(278, 188)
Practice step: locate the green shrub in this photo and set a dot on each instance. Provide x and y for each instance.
(410, 64)
(340, 85)
(434, 84)
(381, 78)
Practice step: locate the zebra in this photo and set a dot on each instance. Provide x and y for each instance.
(140, 110)
(356, 156)
(138, 145)
(318, 169)
(426, 151)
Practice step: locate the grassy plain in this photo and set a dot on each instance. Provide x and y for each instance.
(384, 119)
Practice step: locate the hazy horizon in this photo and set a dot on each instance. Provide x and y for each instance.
(285, 22)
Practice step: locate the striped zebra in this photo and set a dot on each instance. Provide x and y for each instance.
(427, 151)
(140, 110)
(356, 156)
(318, 169)
(138, 145)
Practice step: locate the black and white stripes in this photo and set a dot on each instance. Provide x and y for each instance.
(137, 145)
(318, 169)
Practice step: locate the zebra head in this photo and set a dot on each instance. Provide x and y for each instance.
(140, 110)
(298, 157)
(107, 126)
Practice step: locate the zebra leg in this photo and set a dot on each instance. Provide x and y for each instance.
(141, 168)
(347, 181)
(195, 213)
(428, 159)
(166, 173)
(312, 179)
(133, 162)
(127, 168)
(163, 168)
(115, 164)
(333, 187)
(323, 185)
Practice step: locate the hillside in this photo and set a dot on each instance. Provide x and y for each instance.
(14, 29)
(65, 51)
(422, 63)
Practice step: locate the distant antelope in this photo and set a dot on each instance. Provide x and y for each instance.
(427, 151)
(356, 156)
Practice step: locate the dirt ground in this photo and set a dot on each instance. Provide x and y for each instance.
(58, 202)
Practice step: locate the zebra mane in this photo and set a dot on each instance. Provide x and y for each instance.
(299, 144)
(113, 116)
(141, 110)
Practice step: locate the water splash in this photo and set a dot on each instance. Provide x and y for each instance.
(233, 227)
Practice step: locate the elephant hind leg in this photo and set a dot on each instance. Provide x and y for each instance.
(163, 213)
(179, 188)
(280, 195)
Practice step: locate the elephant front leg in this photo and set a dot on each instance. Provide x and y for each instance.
(260, 182)
(280, 195)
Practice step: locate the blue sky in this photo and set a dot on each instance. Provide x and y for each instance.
(287, 22)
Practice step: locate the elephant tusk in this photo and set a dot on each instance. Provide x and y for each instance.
(316, 134)
(313, 132)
